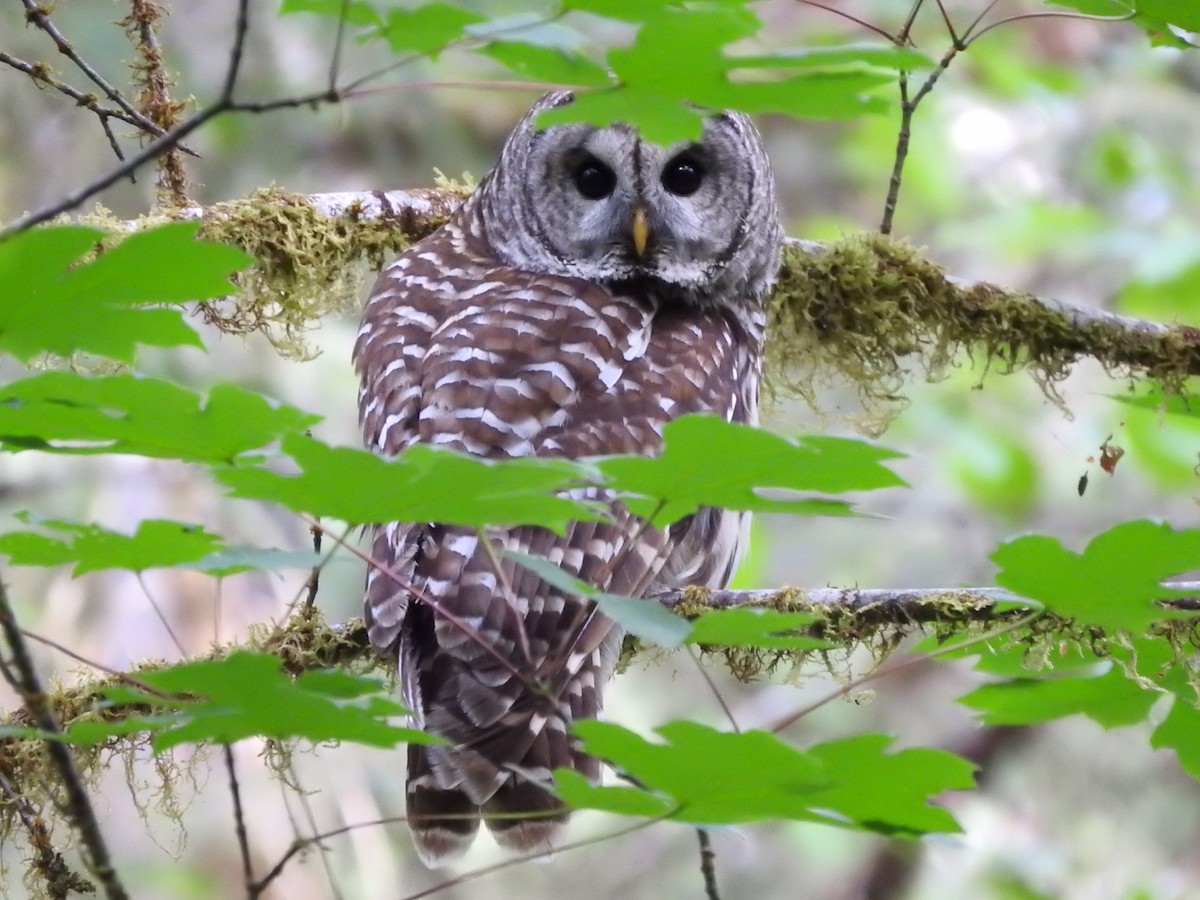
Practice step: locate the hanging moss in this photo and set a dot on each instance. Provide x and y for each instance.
(868, 309)
(309, 263)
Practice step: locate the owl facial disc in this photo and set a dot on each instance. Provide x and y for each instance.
(694, 221)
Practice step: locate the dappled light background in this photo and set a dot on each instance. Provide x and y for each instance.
(1057, 156)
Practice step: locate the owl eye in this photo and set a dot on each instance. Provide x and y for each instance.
(682, 175)
(593, 179)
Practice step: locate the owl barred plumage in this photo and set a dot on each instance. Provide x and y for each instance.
(594, 287)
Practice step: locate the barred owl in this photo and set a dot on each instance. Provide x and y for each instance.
(594, 287)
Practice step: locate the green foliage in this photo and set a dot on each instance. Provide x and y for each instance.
(767, 629)
(1130, 651)
(1111, 699)
(209, 700)
(63, 412)
(648, 621)
(706, 462)
(710, 462)
(428, 28)
(1155, 17)
(630, 82)
(709, 777)
(1115, 584)
(667, 101)
(424, 484)
(53, 299)
(245, 694)
(157, 543)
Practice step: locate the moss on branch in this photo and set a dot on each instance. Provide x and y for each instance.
(865, 309)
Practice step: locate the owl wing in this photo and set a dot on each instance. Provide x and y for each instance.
(501, 363)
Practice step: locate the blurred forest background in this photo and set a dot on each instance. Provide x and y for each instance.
(1059, 156)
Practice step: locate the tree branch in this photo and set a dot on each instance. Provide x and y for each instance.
(866, 307)
(239, 822)
(708, 868)
(39, 17)
(79, 810)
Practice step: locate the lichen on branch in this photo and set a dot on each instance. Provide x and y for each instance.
(867, 308)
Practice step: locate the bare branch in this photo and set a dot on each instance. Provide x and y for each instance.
(1008, 20)
(862, 23)
(78, 804)
(908, 107)
(166, 141)
(314, 577)
(150, 152)
(301, 844)
(708, 867)
(521, 860)
(239, 824)
(39, 17)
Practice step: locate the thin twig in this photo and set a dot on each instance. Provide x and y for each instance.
(883, 671)
(306, 588)
(38, 16)
(862, 23)
(904, 35)
(41, 73)
(712, 688)
(132, 164)
(903, 135)
(161, 615)
(240, 28)
(983, 14)
(1008, 20)
(311, 818)
(908, 106)
(510, 598)
(165, 142)
(78, 805)
(122, 677)
(708, 867)
(950, 30)
(239, 823)
(336, 62)
(521, 860)
(314, 577)
(302, 844)
(116, 147)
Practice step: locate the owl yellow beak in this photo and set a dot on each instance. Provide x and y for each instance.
(640, 231)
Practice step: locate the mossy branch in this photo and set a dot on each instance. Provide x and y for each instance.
(867, 308)
(845, 617)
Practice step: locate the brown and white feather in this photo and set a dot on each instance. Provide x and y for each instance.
(470, 341)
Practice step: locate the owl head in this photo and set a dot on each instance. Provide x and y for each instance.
(693, 221)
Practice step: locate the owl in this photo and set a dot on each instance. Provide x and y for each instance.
(594, 287)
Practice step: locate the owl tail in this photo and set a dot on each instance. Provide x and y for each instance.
(443, 822)
(522, 815)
